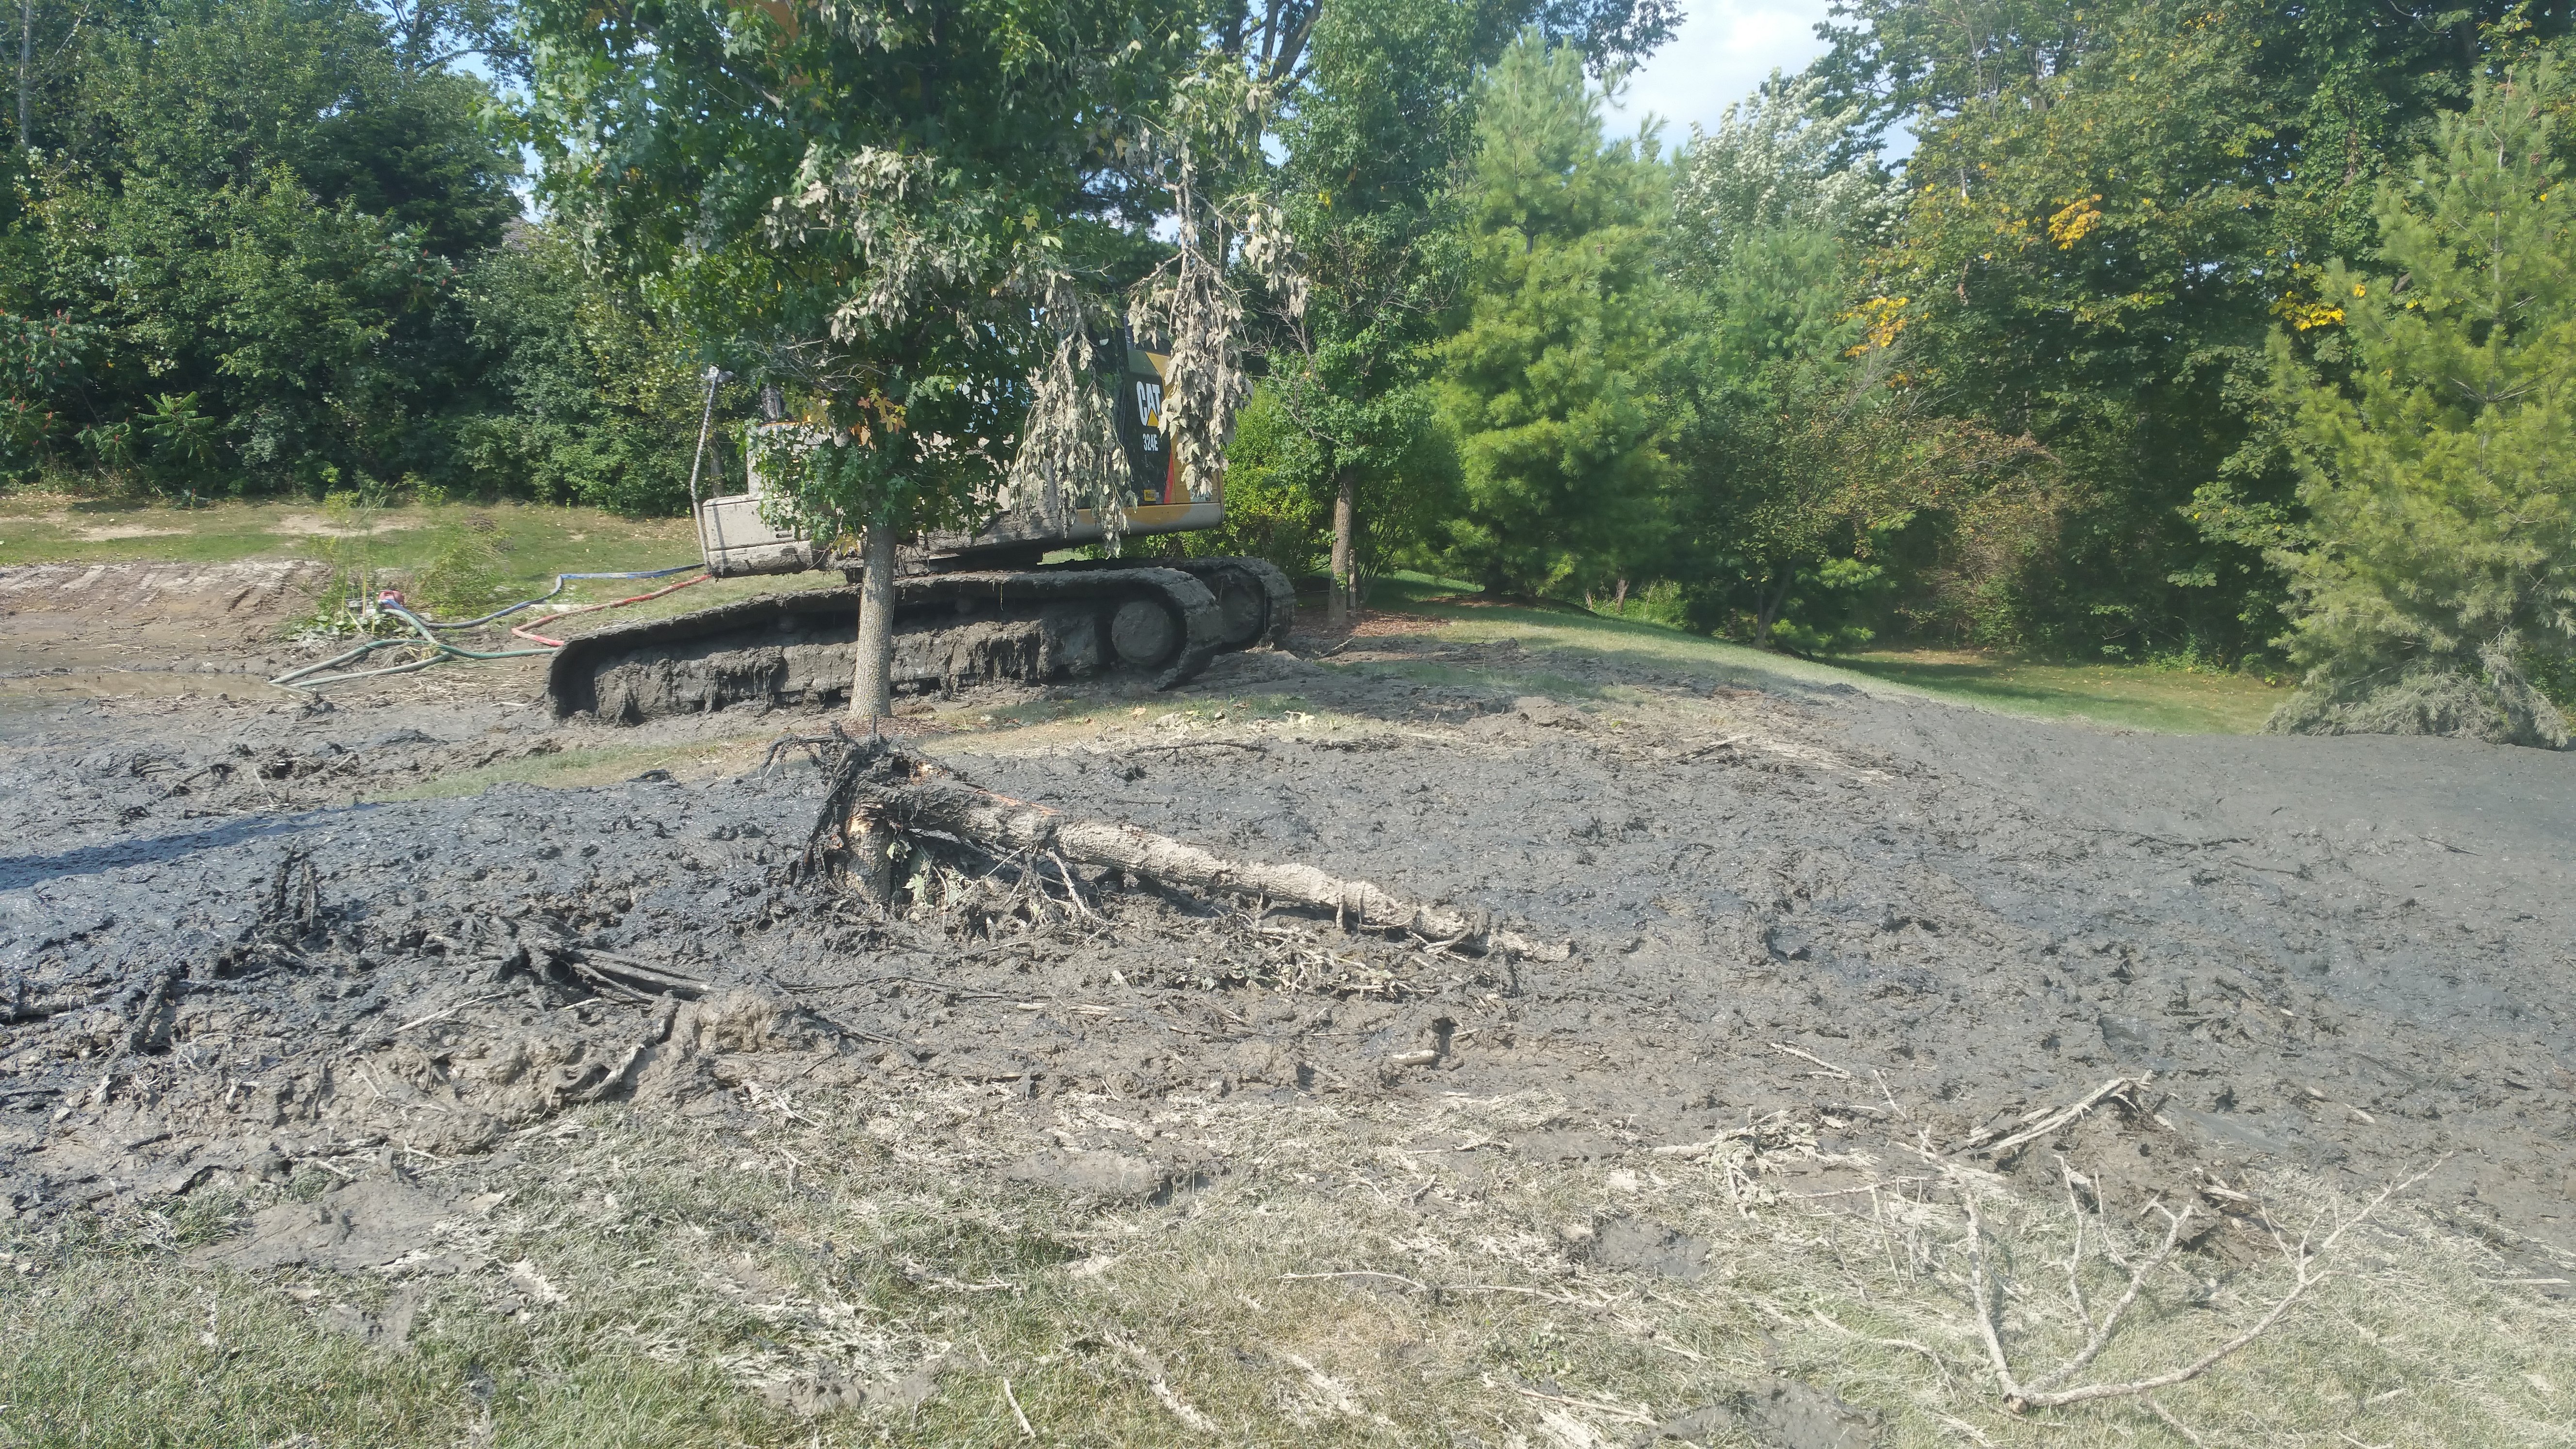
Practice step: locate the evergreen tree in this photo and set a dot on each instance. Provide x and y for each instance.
(1553, 381)
(2441, 477)
(1373, 135)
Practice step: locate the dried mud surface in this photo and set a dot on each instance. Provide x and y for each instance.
(1895, 925)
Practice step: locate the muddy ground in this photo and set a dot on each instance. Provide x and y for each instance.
(1897, 925)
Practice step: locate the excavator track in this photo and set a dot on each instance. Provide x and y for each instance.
(1162, 624)
(1256, 600)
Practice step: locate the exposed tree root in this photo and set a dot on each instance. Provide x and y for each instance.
(884, 789)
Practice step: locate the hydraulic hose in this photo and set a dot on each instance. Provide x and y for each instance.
(440, 649)
(315, 676)
(530, 634)
(557, 589)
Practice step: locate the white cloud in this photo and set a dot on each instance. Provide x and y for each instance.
(1723, 50)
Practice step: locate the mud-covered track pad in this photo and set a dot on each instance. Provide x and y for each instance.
(950, 629)
(1257, 600)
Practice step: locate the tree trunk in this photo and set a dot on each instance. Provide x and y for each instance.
(26, 63)
(1771, 608)
(872, 684)
(1337, 600)
(1015, 827)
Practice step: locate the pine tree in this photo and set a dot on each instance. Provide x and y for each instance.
(2441, 479)
(1551, 383)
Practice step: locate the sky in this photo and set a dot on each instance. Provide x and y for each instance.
(1724, 49)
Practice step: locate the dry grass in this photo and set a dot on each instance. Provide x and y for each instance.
(1350, 1271)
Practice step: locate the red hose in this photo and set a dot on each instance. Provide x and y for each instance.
(525, 632)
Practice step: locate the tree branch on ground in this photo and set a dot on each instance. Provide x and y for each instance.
(2306, 1262)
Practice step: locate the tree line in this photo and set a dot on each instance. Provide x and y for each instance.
(2227, 334)
(253, 247)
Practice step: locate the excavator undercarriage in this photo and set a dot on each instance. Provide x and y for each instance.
(959, 620)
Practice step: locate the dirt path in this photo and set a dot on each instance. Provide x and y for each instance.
(1900, 928)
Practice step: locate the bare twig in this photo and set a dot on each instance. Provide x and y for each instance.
(1072, 887)
(1156, 1380)
(2110, 1323)
(2304, 1261)
(1021, 1419)
(1590, 1405)
(2075, 1255)
(2059, 1118)
(1830, 1068)
(2177, 1425)
(1357, 1273)
(1904, 1343)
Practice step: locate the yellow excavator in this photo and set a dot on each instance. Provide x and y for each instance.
(971, 606)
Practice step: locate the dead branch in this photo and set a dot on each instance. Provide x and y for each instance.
(633, 977)
(1594, 1406)
(2306, 1263)
(1830, 1069)
(881, 789)
(1156, 1380)
(2043, 1122)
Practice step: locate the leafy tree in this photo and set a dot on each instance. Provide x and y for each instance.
(593, 398)
(1552, 380)
(2084, 260)
(2441, 474)
(1769, 213)
(2109, 203)
(1790, 158)
(1379, 117)
(251, 206)
(1371, 139)
(903, 211)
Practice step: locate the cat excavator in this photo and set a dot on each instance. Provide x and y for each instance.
(976, 605)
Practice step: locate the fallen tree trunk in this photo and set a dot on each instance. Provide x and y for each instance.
(928, 804)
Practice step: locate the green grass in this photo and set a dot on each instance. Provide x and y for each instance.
(2137, 696)
(533, 542)
(2145, 696)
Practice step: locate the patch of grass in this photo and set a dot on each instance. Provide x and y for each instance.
(867, 1237)
(2145, 696)
(1630, 643)
(115, 1350)
(2141, 696)
(531, 543)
